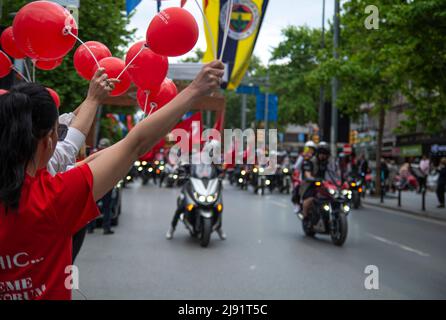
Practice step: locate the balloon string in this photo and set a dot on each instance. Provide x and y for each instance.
(34, 71)
(151, 109)
(20, 74)
(208, 27)
(131, 61)
(25, 62)
(145, 104)
(83, 43)
(226, 32)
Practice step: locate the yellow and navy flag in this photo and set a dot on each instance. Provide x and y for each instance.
(246, 20)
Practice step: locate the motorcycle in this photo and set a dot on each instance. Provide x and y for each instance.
(328, 214)
(356, 188)
(132, 174)
(201, 202)
(261, 181)
(242, 178)
(284, 181)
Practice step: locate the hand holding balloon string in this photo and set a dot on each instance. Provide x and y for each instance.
(100, 86)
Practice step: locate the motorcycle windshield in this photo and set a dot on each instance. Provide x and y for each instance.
(203, 171)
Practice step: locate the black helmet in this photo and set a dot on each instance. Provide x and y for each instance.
(323, 148)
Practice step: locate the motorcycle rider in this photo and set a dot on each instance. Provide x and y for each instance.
(306, 155)
(209, 148)
(314, 168)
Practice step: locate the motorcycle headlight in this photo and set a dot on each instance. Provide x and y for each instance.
(243, 172)
(346, 208)
(161, 168)
(240, 180)
(285, 170)
(255, 170)
(268, 182)
(201, 198)
(326, 207)
(261, 170)
(129, 178)
(331, 191)
(140, 169)
(137, 163)
(210, 199)
(157, 162)
(150, 169)
(144, 163)
(175, 176)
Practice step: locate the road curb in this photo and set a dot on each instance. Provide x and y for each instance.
(407, 211)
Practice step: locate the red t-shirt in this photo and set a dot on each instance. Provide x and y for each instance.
(36, 241)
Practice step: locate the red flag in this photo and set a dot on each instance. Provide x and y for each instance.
(183, 2)
(194, 132)
(219, 122)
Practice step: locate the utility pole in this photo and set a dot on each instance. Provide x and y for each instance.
(266, 107)
(244, 105)
(322, 93)
(334, 110)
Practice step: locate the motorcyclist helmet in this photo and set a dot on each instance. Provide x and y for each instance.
(310, 144)
(323, 148)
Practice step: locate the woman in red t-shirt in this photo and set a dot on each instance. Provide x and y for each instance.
(39, 213)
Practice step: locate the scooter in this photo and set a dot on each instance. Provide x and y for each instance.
(201, 202)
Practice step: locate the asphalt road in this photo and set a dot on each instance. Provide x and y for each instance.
(266, 255)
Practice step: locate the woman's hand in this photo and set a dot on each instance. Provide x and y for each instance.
(100, 86)
(208, 80)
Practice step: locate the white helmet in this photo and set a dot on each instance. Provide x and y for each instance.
(310, 144)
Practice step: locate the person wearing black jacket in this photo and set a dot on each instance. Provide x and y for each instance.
(441, 183)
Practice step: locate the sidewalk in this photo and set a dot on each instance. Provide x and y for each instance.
(410, 203)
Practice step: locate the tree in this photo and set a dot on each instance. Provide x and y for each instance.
(293, 60)
(404, 55)
(103, 21)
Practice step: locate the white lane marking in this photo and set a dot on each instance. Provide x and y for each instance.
(280, 204)
(399, 245)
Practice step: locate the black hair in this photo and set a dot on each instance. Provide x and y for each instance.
(27, 114)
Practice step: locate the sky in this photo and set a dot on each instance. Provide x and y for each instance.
(279, 14)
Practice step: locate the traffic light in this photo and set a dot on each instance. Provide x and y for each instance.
(353, 139)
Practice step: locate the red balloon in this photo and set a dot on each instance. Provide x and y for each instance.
(3, 91)
(9, 45)
(48, 65)
(113, 67)
(172, 32)
(39, 29)
(55, 96)
(149, 69)
(5, 64)
(83, 61)
(158, 98)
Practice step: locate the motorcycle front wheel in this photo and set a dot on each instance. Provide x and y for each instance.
(206, 229)
(307, 227)
(339, 231)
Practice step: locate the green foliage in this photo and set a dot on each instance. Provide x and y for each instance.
(295, 58)
(104, 21)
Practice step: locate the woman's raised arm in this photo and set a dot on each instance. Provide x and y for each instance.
(114, 162)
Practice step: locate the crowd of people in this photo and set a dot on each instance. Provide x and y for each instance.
(419, 176)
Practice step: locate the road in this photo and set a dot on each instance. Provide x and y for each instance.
(266, 255)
